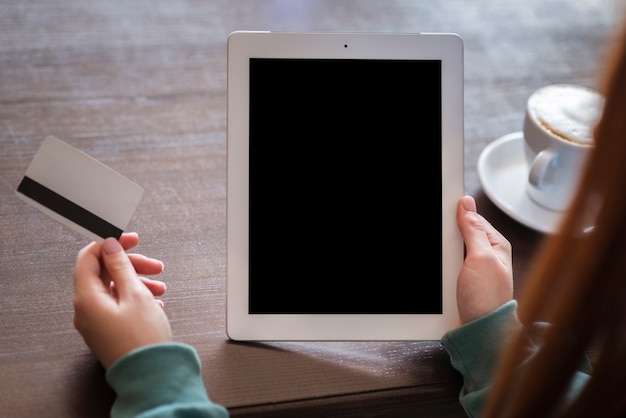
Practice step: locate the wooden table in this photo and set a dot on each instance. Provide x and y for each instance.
(141, 86)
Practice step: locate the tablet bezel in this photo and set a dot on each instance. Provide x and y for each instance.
(242, 45)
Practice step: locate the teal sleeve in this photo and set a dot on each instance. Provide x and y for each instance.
(474, 348)
(161, 380)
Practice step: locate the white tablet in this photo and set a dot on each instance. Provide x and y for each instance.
(345, 165)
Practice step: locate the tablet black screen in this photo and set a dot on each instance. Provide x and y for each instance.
(345, 186)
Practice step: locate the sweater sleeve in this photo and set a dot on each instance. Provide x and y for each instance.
(474, 348)
(161, 380)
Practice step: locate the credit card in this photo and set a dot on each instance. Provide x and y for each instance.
(79, 191)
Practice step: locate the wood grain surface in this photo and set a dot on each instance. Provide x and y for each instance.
(141, 86)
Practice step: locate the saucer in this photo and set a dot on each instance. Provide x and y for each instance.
(502, 173)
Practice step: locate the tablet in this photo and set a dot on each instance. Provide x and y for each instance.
(345, 165)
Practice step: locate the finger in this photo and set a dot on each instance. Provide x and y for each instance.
(129, 240)
(146, 265)
(156, 287)
(481, 239)
(472, 226)
(120, 268)
(468, 203)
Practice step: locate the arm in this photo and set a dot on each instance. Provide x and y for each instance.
(485, 303)
(487, 310)
(119, 318)
(474, 349)
(161, 381)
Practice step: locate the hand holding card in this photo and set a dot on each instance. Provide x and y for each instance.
(79, 191)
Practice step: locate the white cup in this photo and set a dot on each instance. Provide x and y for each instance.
(558, 134)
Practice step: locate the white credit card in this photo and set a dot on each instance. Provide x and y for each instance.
(79, 191)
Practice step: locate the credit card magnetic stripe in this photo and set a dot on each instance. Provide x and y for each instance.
(66, 208)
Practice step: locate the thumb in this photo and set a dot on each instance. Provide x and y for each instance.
(118, 265)
(468, 203)
(471, 224)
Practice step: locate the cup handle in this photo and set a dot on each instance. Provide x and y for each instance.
(539, 168)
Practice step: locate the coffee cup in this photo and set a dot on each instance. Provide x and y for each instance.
(558, 135)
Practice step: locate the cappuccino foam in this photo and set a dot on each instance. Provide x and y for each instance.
(567, 111)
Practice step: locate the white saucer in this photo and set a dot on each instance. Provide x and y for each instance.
(502, 173)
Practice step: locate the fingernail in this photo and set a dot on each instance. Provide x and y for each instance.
(111, 246)
(469, 204)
